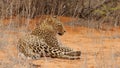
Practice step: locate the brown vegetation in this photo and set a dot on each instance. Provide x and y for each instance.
(92, 27)
(105, 10)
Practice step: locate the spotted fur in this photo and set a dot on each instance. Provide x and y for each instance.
(43, 42)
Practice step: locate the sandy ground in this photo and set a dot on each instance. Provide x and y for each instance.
(100, 49)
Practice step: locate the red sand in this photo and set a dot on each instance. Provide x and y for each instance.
(100, 49)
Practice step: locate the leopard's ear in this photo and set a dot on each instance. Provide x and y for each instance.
(47, 19)
(51, 19)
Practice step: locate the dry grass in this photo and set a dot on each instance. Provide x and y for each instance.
(100, 48)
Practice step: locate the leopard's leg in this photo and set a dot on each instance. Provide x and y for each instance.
(33, 49)
(65, 49)
(26, 51)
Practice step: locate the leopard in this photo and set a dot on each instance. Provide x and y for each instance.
(49, 29)
(43, 41)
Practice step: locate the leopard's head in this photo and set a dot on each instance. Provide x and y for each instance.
(56, 25)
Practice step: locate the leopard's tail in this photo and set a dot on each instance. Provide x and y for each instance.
(71, 55)
(58, 53)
